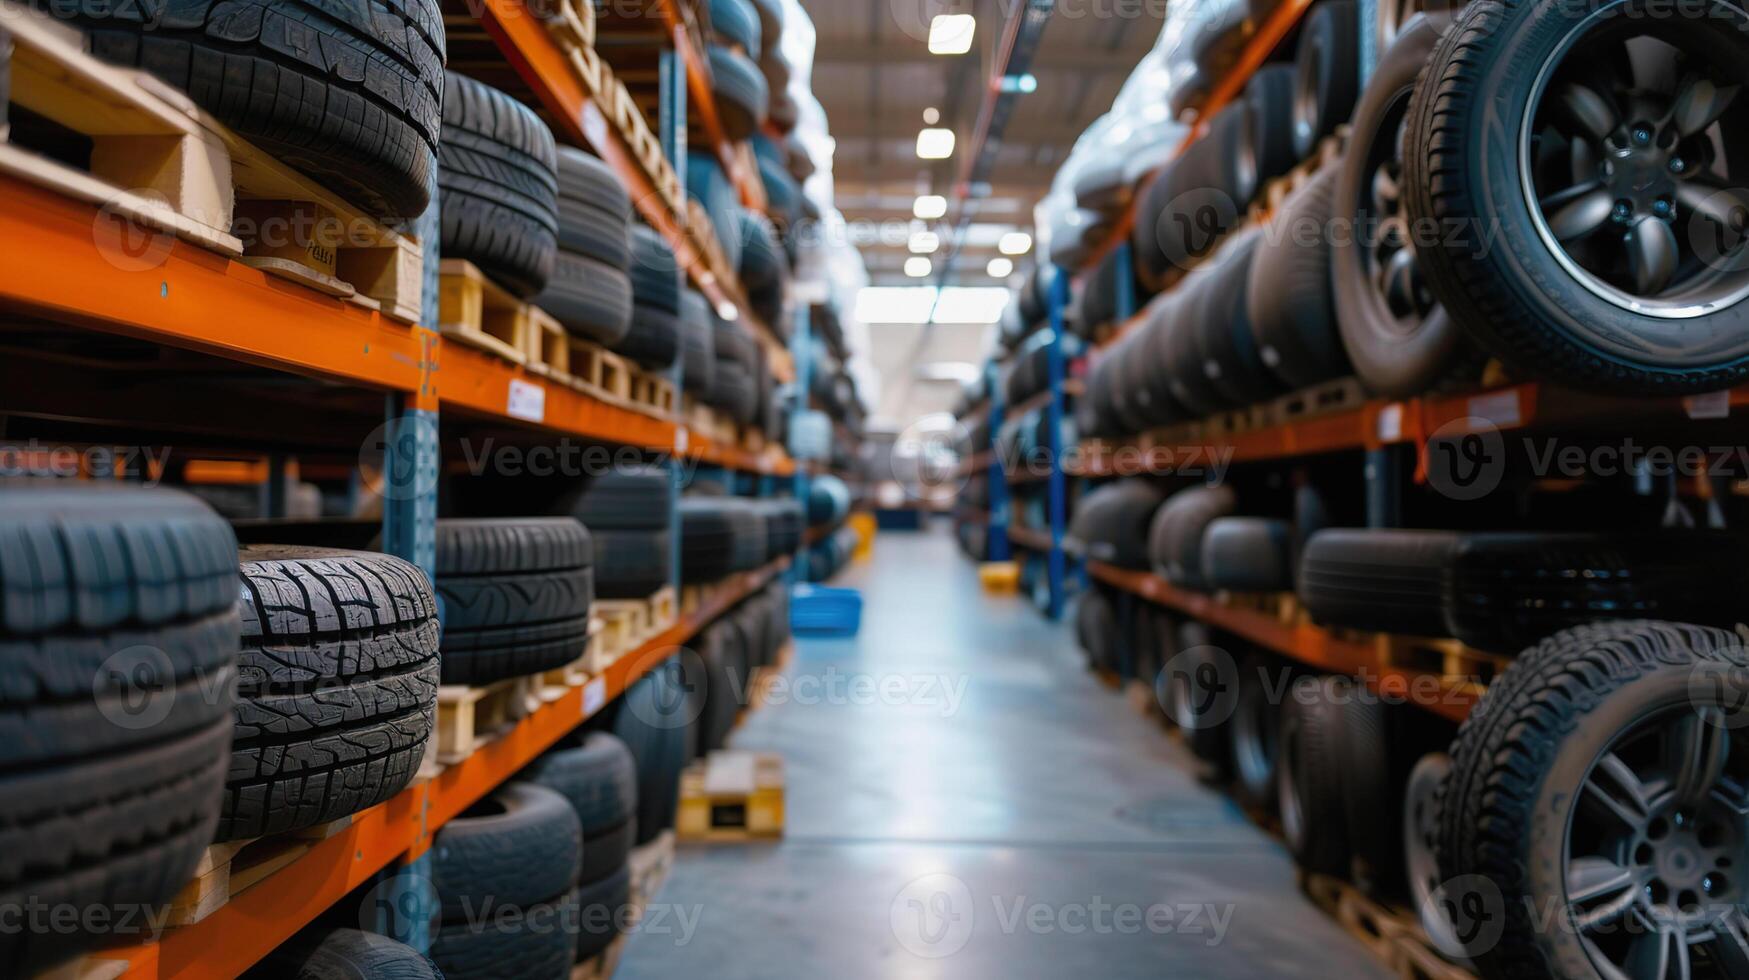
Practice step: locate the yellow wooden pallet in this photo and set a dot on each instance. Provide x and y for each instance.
(469, 717)
(474, 310)
(227, 870)
(1391, 934)
(731, 797)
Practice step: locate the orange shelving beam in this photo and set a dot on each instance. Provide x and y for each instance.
(1304, 642)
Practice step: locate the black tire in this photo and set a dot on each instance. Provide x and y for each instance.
(1269, 122)
(1309, 777)
(595, 212)
(499, 185)
(1510, 590)
(762, 262)
(520, 846)
(654, 339)
(1423, 814)
(720, 707)
(118, 636)
(1395, 352)
(1225, 344)
(657, 719)
(1516, 298)
(337, 687)
(348, 94)
(1175, 536)
(516, 595)
(1372, 793)
(540, 943)
(1256, 732)
(698, 349)
(636, 498)
(1175, 349)
(1386, 580)
(1292, 307)
(1096, 629)
(590, 299)
(1566, 711)
(1327, 65)
(1248, 554)
(602, 907)
(322, 953)
(1155, 642)
(1200, 695)
(743, 98)
(631, 564)
(656, 274)
(1111, 523)
(596, 774)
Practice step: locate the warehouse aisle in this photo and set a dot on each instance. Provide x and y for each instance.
(966, 801)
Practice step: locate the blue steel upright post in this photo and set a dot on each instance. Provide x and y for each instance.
(1000, 506)
(1057, 567)
(801, 347)
(671, 122)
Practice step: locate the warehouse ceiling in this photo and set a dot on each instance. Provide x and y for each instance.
(875, 77)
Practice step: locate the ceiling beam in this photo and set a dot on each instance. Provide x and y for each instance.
(1031, 132)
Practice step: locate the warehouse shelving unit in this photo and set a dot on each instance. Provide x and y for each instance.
(248, 927)
(330, 361)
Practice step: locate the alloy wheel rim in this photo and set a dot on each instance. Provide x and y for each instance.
(1626, 167)
(1657, 851)
(1388, 249)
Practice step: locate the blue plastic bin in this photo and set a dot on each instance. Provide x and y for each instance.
(816, 610)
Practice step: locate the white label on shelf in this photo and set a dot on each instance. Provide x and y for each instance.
(1713, 405)
(1500, 408)
(526, 401)
(1391, 422)
(594, 696)
(681, 436)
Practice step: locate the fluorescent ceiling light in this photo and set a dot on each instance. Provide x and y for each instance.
(925, 242)
(952, 33)
(895, 304)
(1015, 243)
(1000, 268)
(971, 304)
(917, 267)
(932, 115)
(956, 372)
(935, 144)
(912, 305)
(1018, 84)
(929, 207)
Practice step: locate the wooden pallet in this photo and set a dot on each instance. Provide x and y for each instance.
(731, 797)
(1327, 153)
(1283, 607)
(476, 311)
(227, 870)
(158, 162)
(626, 624)
(1460, 668)
(705, 421)
(652, 393)
(1391, 934)
(469, 717)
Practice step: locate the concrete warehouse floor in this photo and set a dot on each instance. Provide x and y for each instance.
(965, 800)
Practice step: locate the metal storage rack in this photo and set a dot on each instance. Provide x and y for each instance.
(57, 278)
(1384, 431)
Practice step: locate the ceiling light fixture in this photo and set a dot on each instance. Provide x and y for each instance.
(952, 33)
(935, 144)
(930, 207)
(925, 242)
(1000, 268)
(918, 267)
(1015, 243)
(1018, 84)
(931, 116)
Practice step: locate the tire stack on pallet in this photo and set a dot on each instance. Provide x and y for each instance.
(1599, 779)
(833, 541)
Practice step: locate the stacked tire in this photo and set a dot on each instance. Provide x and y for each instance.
(498, 180)
(590, 292)
(597, 775)
(516, 594)
(119, 626)
(626, 511)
